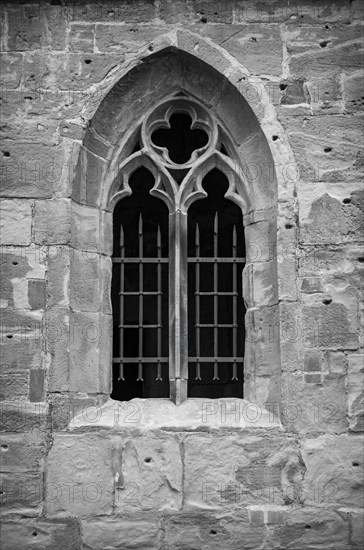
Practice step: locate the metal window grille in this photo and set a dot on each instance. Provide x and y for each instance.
(216, 309)
(140, 297)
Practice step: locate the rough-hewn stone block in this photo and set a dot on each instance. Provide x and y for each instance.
(44, 534)
(52, 222)
(79, 475)
(15, 222)
(31, 170)
(57, 330)
(87, 176)
(227, 470)
(37, 293)
(328, 325)
(325, 219)
(204, 530)
(82, 38)
(135, 532)
(333, 49)
(262, 341)
(85, 280)
(151, 473)
(309, 527)
(35, 26)
(14, 386)
(58, 274)
(19, 353)
(300, 12)
(256, 47)
(37, 385)
(334, 467)
(22, 452)
(313, 402)
(10, 69)
(125, 39)
(355, 389)
(353, 87)
(22, 493)
(326, 148)
(89, 359)
(16, 416)
(127, 12)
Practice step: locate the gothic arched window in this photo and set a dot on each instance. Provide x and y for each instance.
(178, 257)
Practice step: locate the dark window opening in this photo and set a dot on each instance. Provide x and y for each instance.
(216, 256)
(179, 139)
(140, 293)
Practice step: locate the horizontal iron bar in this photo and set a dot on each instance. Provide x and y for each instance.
(215, 325)
(140, 260)
(216, 293)
(166, 260)
(140, 326)
(166, 359)
(140, 292)
(216, 260)
(126, 360)
(215, 359)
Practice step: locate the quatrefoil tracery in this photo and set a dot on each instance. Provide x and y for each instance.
(180, 184)
(196, 133)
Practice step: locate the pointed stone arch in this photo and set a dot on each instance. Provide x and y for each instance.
(185, 64)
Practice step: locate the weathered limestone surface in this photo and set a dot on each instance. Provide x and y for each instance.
(280, 469)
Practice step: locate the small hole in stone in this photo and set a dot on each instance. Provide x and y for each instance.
(203, 20)
(15, 263)
(6, 153)
(328, 149)
(110, 13)
(9, 336)
(355, 464)
(289, 226)
(34, 533)
(213, 532)
(150, 48)
(148, 460)
(283, 86)
(274, 138)
(361, 259)
(323, 43)
(327, 27)
(4, 448)
(307, 526)
(253, 39)
(327, 301)
(28, 97)
(346, 201)
(88, 61)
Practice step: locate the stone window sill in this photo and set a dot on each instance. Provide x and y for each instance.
(192, 415)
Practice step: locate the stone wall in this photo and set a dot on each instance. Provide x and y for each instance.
(80, 471)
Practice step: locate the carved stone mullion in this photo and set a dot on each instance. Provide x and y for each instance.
(178, 342)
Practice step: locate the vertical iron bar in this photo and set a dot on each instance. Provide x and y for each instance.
(140, 330)
(121, 301)
(216, 297)
(197, 303)
(235, 306)
(159, 305)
